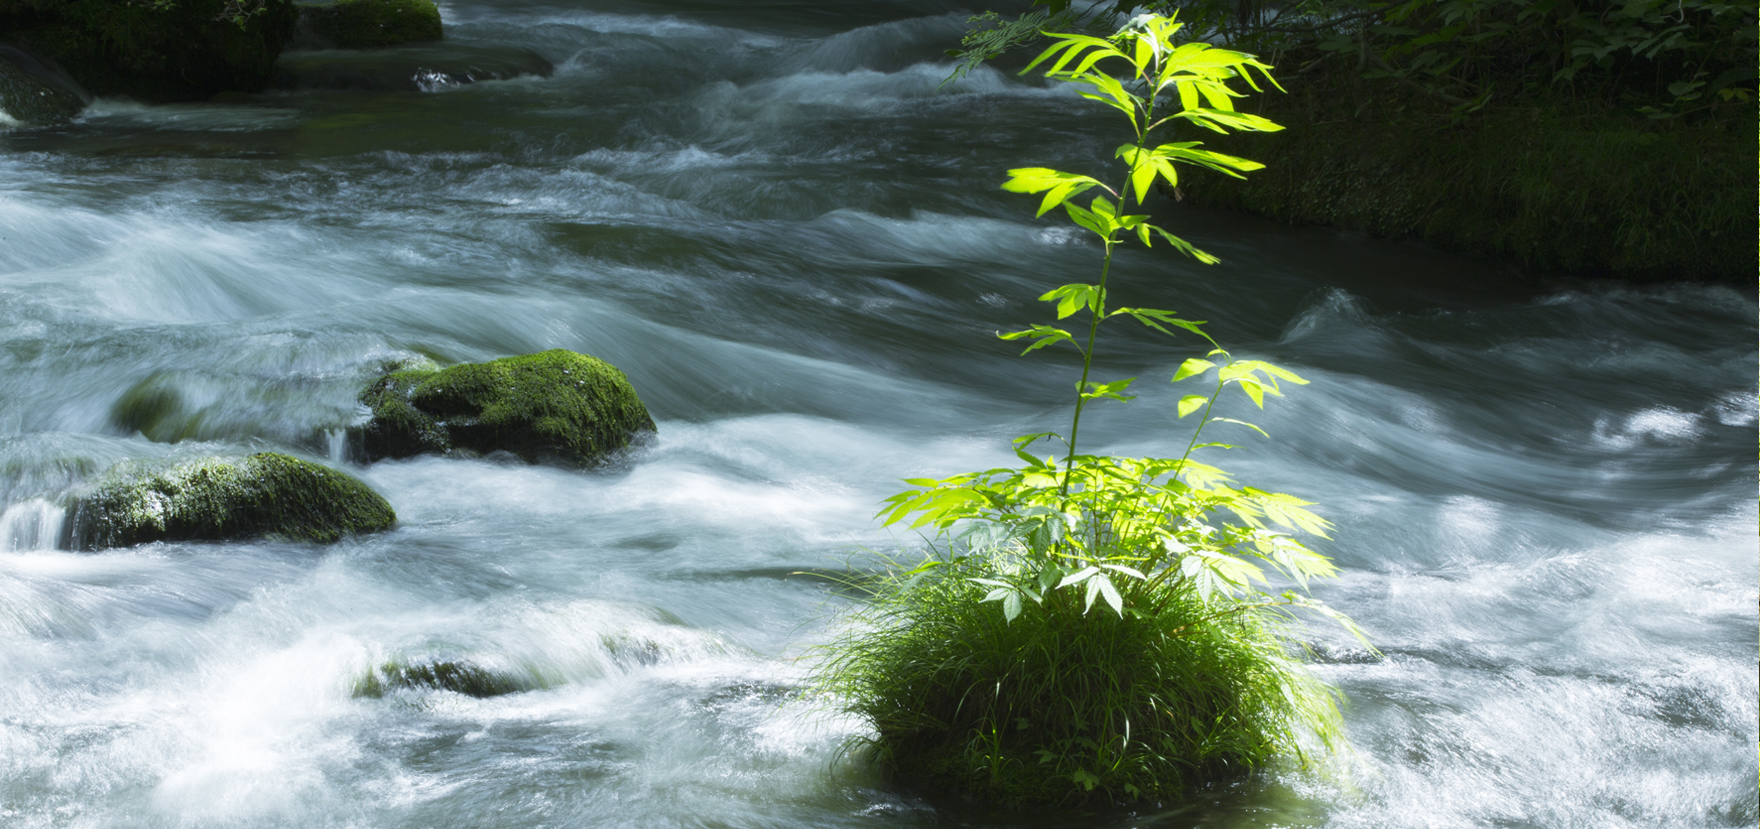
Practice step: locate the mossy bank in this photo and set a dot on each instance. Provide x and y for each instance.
(557, 406)
(212, 499)
(1567, 190)
(154, 50)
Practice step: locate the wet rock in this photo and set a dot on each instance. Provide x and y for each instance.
(154, 408)
(184, 51)
(33, 93)
(230, 404)
(366, 24)
(408, 69)
(557, 406)
(213, 499)
(458, 676)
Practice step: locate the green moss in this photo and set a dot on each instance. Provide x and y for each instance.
(179, 51)
(458, 676)
(265, 494)
(1557, 190)
(398, 429)
(365, 24)
(557, 405)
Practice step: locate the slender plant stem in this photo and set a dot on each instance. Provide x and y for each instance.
(1202, 421)
(1069, 462)
(1098, 312)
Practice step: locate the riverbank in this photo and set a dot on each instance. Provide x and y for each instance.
(1556, 191)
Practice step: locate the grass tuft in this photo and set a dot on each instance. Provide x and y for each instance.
(1066, 707)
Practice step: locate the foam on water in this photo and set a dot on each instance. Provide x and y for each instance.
(789, 236)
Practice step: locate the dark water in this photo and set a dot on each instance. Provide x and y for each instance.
(770, 218)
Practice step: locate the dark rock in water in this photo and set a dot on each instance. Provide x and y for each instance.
(366, 24)
(462, 677)
(233, 404)
(152, 408)
(407, 69)
(34, 93)
(184, 51)
(211, 499)
(557, 406)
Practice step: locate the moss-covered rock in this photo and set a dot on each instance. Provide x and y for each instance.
(555, 406)
(155, 50)
(458, 676)
(30, 94)
(211, 499)
(367, 24)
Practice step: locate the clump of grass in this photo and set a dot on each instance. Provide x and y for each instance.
(1065, 707)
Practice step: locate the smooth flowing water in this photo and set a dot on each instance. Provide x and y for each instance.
(792, 241)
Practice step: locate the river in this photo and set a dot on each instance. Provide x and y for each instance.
(792, 240)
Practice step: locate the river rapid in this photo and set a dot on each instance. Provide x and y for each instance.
(776, 222)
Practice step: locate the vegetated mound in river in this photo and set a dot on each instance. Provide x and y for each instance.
(1064, 707)
(213, 499)
(184, 51)
(556, 406)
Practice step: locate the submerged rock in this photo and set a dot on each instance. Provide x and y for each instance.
(154, 408)
(184, 51)
(366, 24)
(459, 676)
(555, 406)
(409, 69)
(33, 93)
(212, 499)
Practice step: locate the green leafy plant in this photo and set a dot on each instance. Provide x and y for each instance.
(1092, 627)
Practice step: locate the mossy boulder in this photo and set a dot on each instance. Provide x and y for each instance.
(458, 676)
(154, 50)
(31, 93)
(212, 499)
(367, 24)
(557, 406)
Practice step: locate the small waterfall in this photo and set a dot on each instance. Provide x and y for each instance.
(31, 525)
(336, 446)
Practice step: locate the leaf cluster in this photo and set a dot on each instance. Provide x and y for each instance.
(1149, 66)
(1177, 525)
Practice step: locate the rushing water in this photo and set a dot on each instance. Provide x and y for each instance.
(792, 241)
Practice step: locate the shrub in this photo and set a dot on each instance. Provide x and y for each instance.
(987, 669)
